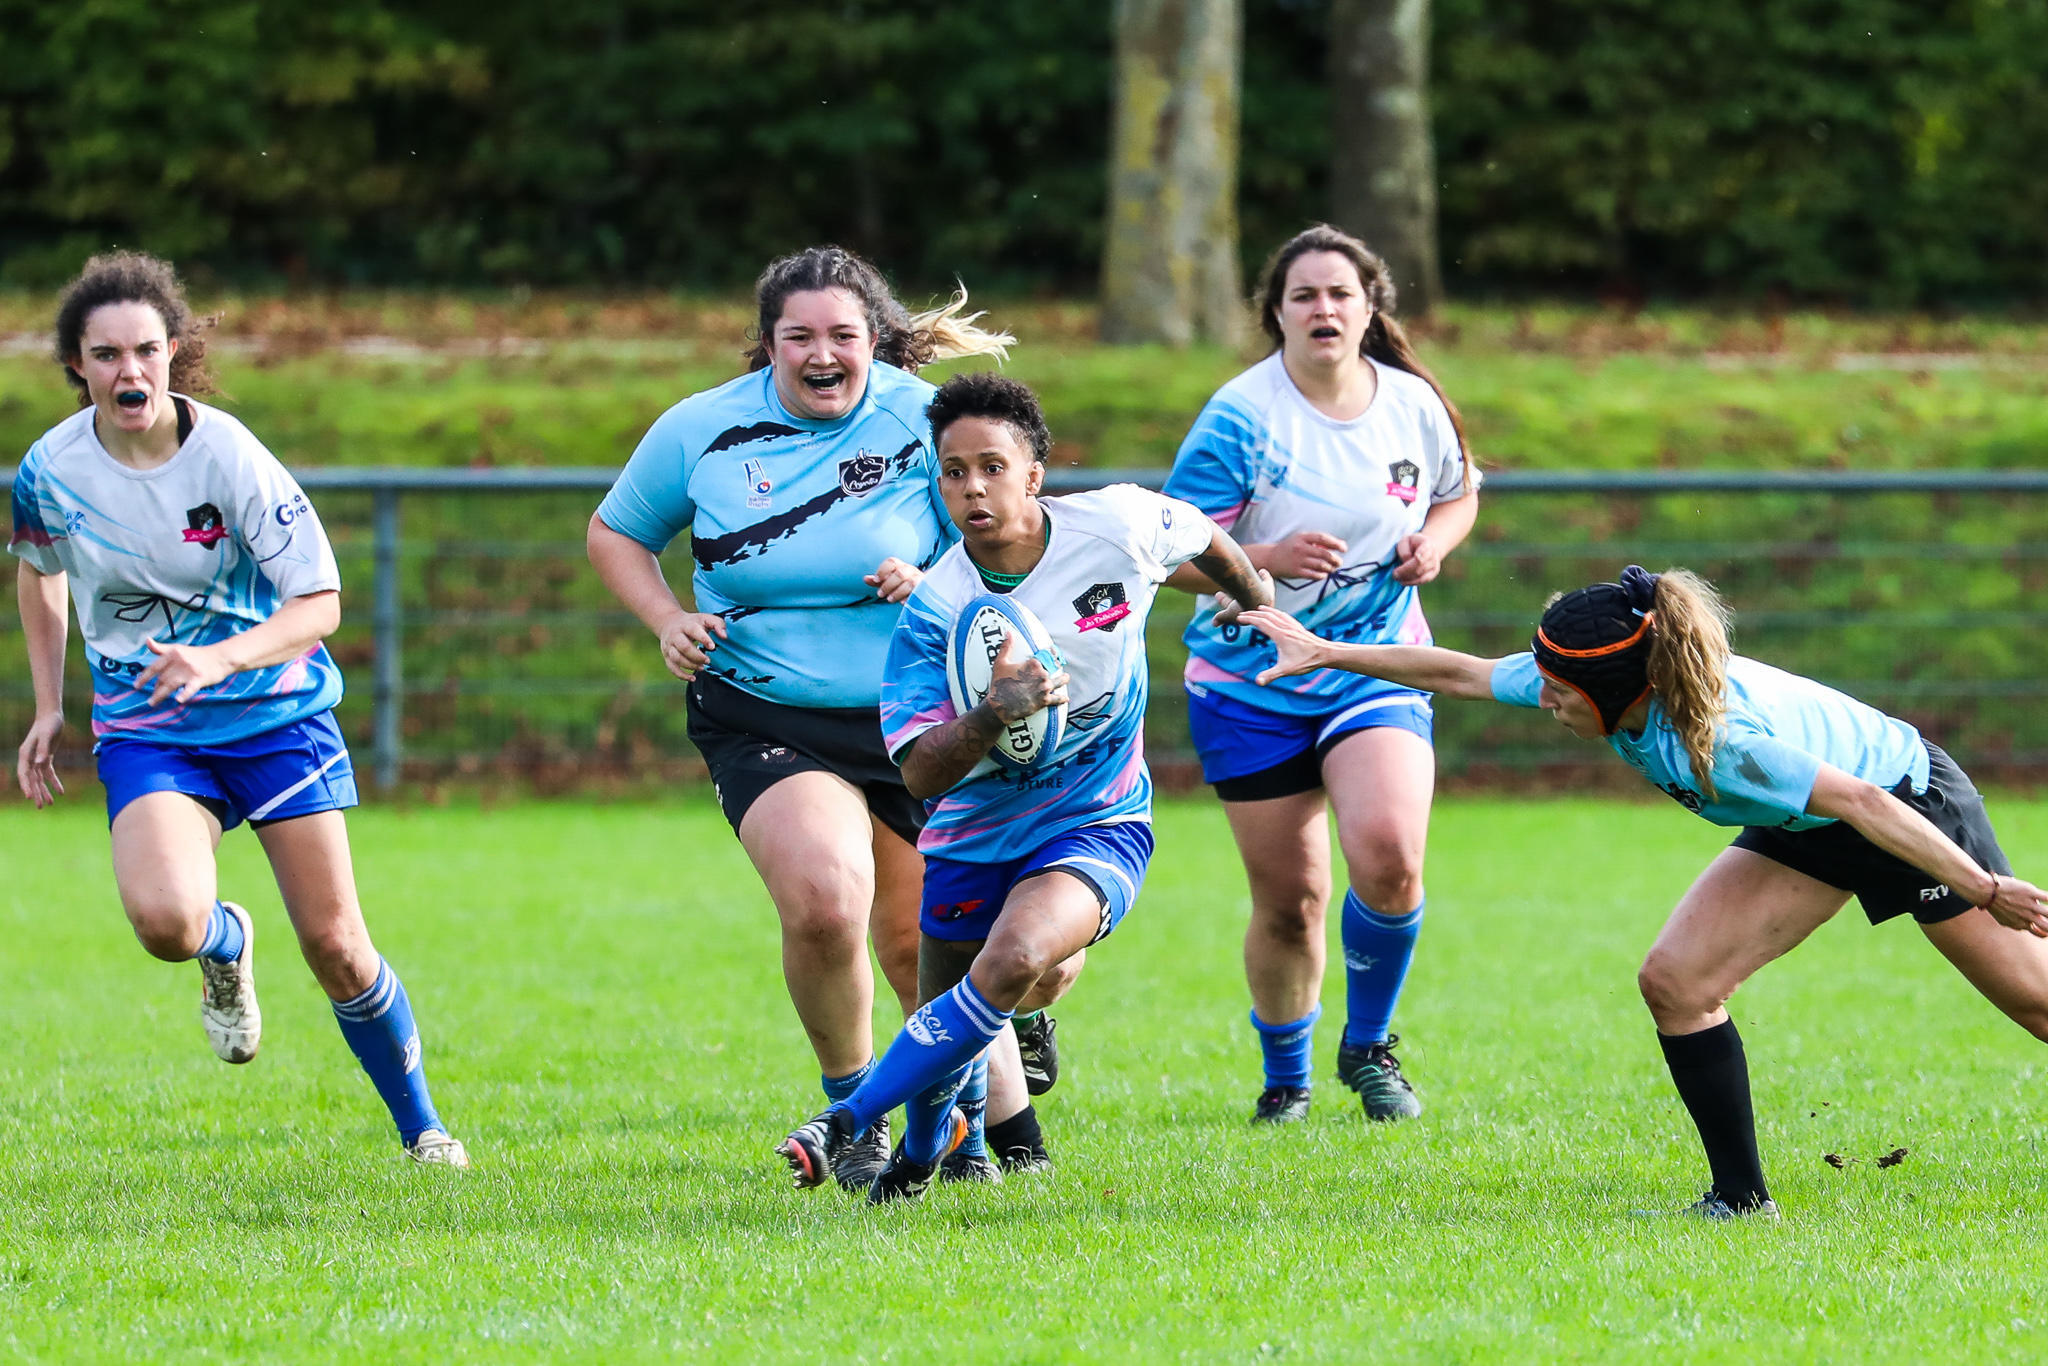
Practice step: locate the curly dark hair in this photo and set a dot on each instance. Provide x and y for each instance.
(904, 341)
(986, 394)
(130, 277)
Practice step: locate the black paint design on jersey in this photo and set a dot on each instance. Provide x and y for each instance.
(142, 607)
(740, 436)
(749, 541)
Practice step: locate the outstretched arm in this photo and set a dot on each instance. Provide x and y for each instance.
(1239, 584)
(1444, 672)
(1899, 830)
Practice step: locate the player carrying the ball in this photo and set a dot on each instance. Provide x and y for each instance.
(1024, 867)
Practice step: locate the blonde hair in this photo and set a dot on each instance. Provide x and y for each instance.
(1689, 666)
(906, 342)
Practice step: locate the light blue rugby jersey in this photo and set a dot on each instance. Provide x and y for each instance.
(1265, 464)
(785, 515)
(202, 547)
(1110, 550)
(1780, 729)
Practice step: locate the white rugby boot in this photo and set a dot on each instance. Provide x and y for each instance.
(227, 997)
(435, 1148)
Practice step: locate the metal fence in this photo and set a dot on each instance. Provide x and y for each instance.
(490, 648)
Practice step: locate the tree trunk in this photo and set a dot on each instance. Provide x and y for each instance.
(1383, 161)
(1169, 262)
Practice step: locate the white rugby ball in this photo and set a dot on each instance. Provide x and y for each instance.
(978, 635)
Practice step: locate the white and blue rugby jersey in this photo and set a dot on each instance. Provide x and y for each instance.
(1780, 729)
(785, 515)
(1265, 464)
(1109, 552)
(202, 547)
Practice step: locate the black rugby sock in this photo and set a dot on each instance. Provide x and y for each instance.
(1712, 1076)
(1018, 1131)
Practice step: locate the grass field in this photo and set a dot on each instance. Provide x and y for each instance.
(606, 1027)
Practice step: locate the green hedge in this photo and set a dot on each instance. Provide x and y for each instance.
(1880, 152)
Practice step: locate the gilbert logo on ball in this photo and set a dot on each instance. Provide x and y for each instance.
(977, 638)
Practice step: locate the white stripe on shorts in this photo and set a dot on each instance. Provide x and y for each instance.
(301, 785)
(1350, 714)
(1110, 868)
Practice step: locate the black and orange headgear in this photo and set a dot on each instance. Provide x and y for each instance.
(1596, 641)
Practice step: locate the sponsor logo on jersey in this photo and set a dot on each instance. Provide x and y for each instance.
(203, 526)
(862, 474)
(291, 509)
(1102, 606)
(927, 1028)
(1404, 480)
(74, 523)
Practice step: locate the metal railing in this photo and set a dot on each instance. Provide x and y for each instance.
(1594, 521)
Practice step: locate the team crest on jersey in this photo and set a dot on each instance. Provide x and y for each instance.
(203, 525)
(862, 475)
(1103, 606)
(1404, 480)
(759, 485)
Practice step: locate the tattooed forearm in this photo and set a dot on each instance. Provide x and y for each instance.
(943, 755)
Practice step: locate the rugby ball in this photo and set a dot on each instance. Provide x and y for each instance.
(978, 635)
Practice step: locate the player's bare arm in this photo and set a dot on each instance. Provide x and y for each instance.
(1239, 584)
(1444, 672)
(295, 627)
(633, 573)
(1020, 687)
(1898, 829)
(41, 599)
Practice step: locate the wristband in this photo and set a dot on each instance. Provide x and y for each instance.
(1994, 893)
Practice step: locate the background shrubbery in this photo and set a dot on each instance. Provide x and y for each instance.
(1878, 152)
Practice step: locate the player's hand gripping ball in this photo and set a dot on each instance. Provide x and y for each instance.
(978, 635)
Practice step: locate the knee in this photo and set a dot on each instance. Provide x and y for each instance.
(1385, 875)
(1008, 971)
(340, 957)
(167, 926)
(825, 903)
(1053, 983)
(1292, 914)
(1673, 995)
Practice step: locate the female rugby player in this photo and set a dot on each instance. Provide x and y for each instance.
(1834, 799)
(1342, 468)
(204, 585)
(1023, 869)
(808, 487)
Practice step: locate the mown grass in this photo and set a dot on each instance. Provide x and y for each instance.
(578, 381)
(606, 1027)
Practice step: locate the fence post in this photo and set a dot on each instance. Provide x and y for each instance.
(388, 629)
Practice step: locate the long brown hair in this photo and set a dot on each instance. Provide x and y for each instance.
(905, 341)
(1689, 665)
(1385, 341)
(130, 277)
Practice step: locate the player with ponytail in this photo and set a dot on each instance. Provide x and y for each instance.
(1832, 798)
(1343, 469)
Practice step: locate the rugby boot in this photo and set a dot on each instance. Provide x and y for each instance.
(963, 1166)
(227, 997)
(1040, 1052)
(1281, 1105)
(1375, 1073)
(1713, 1209)
(856, 1167)
(905, 1178)
(435, 1148)
(1024, 1158)
(815, 1145)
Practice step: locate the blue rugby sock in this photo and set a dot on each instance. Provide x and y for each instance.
(926, 1114)
(379, 1028)
(839, 1088)
(1289, 1048)
(223, 942)
(1377, 951)
(937, 1040)
(973, 1103)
